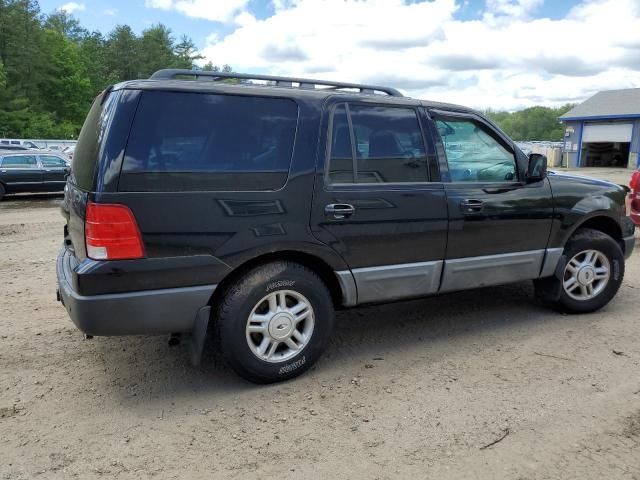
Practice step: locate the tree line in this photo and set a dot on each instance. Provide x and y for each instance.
(51, 68)
(535, 123)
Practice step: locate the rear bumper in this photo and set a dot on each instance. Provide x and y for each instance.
(133, 313)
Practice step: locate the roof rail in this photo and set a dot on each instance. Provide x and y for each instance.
(303, 83)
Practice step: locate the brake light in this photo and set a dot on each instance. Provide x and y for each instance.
(111, 232)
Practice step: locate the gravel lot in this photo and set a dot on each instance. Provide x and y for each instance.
(414, 389)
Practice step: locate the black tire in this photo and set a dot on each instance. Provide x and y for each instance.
(582, 240)
(239, 301)
(2, 191)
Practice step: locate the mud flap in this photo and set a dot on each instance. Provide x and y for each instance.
(199, 335)
(549, 289)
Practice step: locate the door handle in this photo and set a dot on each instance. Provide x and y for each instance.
(470, 206)
(339, 211)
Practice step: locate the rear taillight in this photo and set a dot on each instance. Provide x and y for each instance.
(111, 232)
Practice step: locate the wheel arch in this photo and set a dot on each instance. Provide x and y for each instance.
(602, 223)
(319, 266)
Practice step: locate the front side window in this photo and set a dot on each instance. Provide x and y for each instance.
(473, 154)
(387, 143)
(195, 141)
(19, 161)
(51, 161)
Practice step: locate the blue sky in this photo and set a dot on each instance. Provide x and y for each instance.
(500, 54)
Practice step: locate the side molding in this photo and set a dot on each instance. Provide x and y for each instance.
(474, 272)
(392, 282)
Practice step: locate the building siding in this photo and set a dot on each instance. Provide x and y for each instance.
(572, 137)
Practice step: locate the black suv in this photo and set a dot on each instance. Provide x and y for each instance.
(199, 199)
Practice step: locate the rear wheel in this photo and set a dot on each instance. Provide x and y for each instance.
(274, 322)
(593, 272)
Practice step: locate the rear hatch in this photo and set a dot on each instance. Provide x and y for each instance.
(82, 180)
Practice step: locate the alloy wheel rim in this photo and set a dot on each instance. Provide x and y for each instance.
(586, 275)
(280, 326)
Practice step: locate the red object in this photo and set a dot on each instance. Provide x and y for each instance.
(634, 197)
(111, 232)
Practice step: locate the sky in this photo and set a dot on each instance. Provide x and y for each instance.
(486, 54)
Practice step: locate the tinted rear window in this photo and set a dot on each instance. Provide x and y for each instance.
(195, 141)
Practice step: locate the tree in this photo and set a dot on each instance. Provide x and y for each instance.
(3, 76)
(186, 53)
(155, 50)
(66, 25)
(122, 54)
(534, 123)
(65, 86)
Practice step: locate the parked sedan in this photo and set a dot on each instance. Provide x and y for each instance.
(30, 171)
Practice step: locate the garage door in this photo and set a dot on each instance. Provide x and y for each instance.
(607, 132)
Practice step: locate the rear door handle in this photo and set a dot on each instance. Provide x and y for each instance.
(339, 211)
(470, 206)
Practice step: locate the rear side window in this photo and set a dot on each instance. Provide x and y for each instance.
(51, 161)
(376, 144)
(19, 161)
(209, 142)
(91, 138)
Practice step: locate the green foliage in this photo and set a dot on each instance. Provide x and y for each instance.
(3, 76)
(51, 68)
(535, 123)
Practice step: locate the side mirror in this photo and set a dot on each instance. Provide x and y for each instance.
(537, 168)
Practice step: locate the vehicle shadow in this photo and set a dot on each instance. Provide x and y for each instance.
(163, 373)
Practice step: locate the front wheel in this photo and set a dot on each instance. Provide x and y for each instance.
(593, 272)
(274, 322)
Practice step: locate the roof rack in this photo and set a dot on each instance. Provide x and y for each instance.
(303, 83)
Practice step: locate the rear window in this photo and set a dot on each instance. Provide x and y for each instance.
(208, 142)
(19, 161)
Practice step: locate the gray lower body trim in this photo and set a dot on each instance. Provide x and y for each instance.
(551, 259)
(392, 282)
(474, 272)
(136, 313)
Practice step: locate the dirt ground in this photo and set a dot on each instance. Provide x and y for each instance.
(418, 389)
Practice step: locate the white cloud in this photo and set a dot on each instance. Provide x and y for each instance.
(110, 12)
(217, 10)
(506, 59)
(71, 7)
